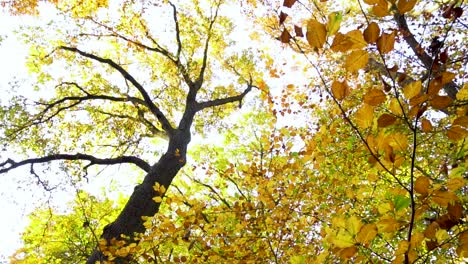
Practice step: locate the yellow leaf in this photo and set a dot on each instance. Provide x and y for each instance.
(316, 33)
(441, 102)
(405, 5)
(372, 32)
(386, 120)
(356, 60)
(334, 21)
(426, 125)
(349, 41)
(367, 233)
(374, 97)
(447, 77)
(364, 116)
(343, 239)
(412, 89)
(395, 107)
(421, 185)
(402, 247)
(417, 239)
(157, 199)
(353, 225)
(398, 141)
(456, 133)
(441, 235)
(463, 93)
(454, 184)
(386, 42)
(340, 90)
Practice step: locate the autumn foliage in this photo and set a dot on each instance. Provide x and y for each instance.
(363, 159)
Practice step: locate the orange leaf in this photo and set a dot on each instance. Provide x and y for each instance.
(386, 120)
(374, 97)
(386, 42)
(356, 60)
(441, 102)
(426, 125)
(340, 90)
(421, 185)
(316, 33)
(405, 5)
(372, 32)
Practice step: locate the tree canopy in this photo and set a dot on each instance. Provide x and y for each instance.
(338, 130)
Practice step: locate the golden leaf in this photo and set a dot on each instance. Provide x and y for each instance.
(364, 116)
(456, 133)
(343, 239)
(454, 184)
(386, 42)
(398, 141)
(340, 90)
(348, 252)
(367, 233)
(386, 120)
(388, 225)
(353, 225)
(374, 97)
(356, 60)
(316, 33)
(381, 9)
(402, 247)
(447, 77)
(412, 89)
(443, 198)
(405, 5)
(395, 107)
(157, 199)
(333, 24)
(350, 41)
(463, 93)
(431, 230)
(421, 185)
(441, 102)
(372, 32)
(426, 125)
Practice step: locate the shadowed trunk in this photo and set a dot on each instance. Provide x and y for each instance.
(141, 201)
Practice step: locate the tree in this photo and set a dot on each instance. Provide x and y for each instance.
(124, 82)
(373, 168)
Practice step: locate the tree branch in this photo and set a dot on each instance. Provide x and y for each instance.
(166, 125)
(450, 88)
(10, 164)
(222, 101)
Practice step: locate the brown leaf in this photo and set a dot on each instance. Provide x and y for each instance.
(445, 222)
(374, 97)
(372, 32)
(285, 36)
(282, 17)
(441, 102)
(444, 198)
(456, 133)
(289, 3)
(386, 120)
(455, 211)
(431, 244)
(431, 230)
(348, 252)
(426, 125)
(461, 121)
(298, 31)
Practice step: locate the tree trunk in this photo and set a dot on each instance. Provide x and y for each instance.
(141, 201)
